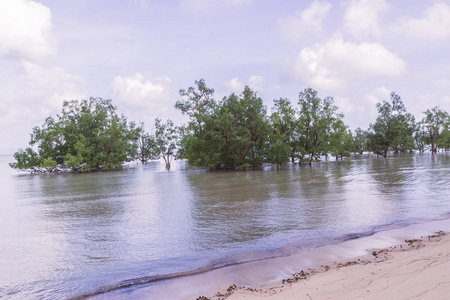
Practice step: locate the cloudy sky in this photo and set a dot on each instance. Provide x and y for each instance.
(141, 52)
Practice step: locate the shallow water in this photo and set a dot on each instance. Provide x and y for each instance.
(69, 235)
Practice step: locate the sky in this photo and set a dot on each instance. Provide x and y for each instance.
(140, 53)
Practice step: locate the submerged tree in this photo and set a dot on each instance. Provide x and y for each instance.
(341, 140)
(444, 138)
(393, 129)
(165, 141)
(317, 119)
(198, 104)
(434, 121)
(360, 141)
(26, 159)
(421, 137)
(145, 145)
(283, 137)
(226, 135)
(88, 135)
(243, 128)
(197, 141)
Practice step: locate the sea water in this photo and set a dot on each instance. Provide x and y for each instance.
(143, 232)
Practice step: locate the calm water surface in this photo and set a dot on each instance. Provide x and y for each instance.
(69, 235)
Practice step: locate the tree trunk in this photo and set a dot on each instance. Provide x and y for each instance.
(167, 161)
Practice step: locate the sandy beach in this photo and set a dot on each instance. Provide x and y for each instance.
(416, 269)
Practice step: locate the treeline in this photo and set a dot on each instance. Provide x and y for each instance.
(89, 135)
(234, 133)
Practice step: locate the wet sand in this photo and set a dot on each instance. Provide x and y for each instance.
(415, 269)
(347, 270)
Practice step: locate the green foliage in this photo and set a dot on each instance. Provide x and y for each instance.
(145, 145)
(434, 123)
(360, 141)
(284, 123)
(421, 137)
(279, 152)
(444, 138)
(226, 135)
(87, 135)
(318, 120)
(242, 122)
(25, 159)
(393, 129)
(165, 141)
(234, 133)
(198, 104)
(196, 142)
(341, 140)
(48, 164)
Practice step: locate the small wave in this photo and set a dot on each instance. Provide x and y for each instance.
(354, 236)
(228, 263)
(156, 278)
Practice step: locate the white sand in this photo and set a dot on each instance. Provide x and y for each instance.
(420, 271)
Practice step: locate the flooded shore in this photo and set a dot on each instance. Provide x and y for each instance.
(271, 273)
(143, 231)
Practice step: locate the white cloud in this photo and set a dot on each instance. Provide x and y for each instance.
(236, 86)
(137, 91)
(26, 29)
(377, 95)
(31, 95)
(142, 99)
(329, 65)
(42, 80)
(361, 18)
(51, 84)
(433, 25)
(310, 66)
(345, 104)
(205, 6)
(367, 108)
(256, 83)
(306, 22)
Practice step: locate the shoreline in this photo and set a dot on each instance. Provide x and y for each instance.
(268, 274)
(414, 268)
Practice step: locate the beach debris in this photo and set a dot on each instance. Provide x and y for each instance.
(437, 235)
(296, 277)
(415, 243)
(230, 290)
(349, 263)
(411, 242)
(379, 256)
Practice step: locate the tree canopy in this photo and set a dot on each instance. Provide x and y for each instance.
(234, 133)
(435, 122)
(393, 129)
(87, 135)
(237, 133)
